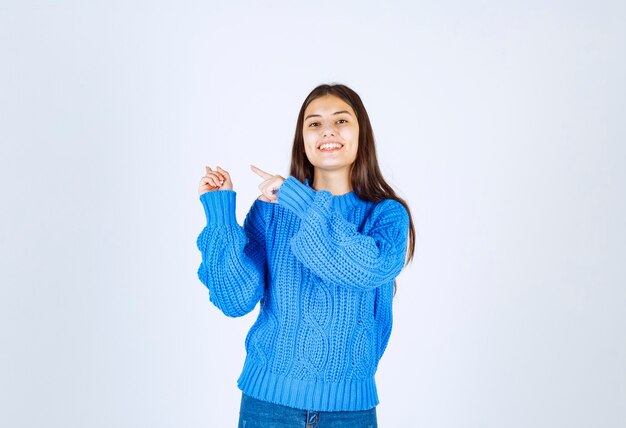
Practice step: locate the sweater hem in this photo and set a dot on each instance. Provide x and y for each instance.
(319, 396)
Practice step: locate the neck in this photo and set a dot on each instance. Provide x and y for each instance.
(336, 182)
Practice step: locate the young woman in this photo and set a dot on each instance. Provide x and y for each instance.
(320, 251)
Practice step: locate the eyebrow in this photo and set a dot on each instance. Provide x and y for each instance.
(335, 113)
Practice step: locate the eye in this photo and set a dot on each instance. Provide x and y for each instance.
(341, 121)
(313, 124)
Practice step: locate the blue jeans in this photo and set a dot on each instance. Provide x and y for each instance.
(261, 414)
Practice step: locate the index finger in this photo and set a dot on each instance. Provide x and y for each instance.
(260, 172)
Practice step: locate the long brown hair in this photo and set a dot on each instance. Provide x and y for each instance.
(365, 176)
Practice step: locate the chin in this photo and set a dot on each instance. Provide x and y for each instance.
(331, 167)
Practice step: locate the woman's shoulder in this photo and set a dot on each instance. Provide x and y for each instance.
(262, 210)
(260, 207)
(389, 205)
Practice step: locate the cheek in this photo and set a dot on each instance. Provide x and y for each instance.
(309, 146)
(355, 145)
(355, 152)
(351, 134)
(307, 139)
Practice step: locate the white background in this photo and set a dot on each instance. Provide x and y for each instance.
(502, 124)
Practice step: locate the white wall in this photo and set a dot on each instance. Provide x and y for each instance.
(502, 123)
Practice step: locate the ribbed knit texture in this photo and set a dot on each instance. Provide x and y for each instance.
(322, 268)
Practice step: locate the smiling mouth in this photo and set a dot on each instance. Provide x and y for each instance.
(329, 147)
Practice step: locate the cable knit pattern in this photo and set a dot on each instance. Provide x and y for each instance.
(322, 268)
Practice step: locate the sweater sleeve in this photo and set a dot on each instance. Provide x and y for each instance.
(233, 264)
(383, 314)
(333, 248)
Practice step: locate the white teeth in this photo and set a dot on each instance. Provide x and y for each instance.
(327, 146)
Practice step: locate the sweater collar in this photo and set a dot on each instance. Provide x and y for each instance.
(344, 202)
(341, 202)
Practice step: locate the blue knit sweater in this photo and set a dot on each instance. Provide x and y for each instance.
(322, 268)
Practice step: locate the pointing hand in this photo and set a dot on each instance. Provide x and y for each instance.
(270, 185)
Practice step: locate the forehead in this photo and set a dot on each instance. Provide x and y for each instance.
(328, 104)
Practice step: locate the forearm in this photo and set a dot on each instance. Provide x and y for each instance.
(233, 264)
(335, 250)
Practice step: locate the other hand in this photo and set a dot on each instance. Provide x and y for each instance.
(218, 179)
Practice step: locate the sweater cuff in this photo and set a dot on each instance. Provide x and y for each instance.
(219, 206)
(295, 196)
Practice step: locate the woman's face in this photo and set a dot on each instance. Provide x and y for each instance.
(331, 133)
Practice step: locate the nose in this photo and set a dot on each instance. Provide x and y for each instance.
(328, 131)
